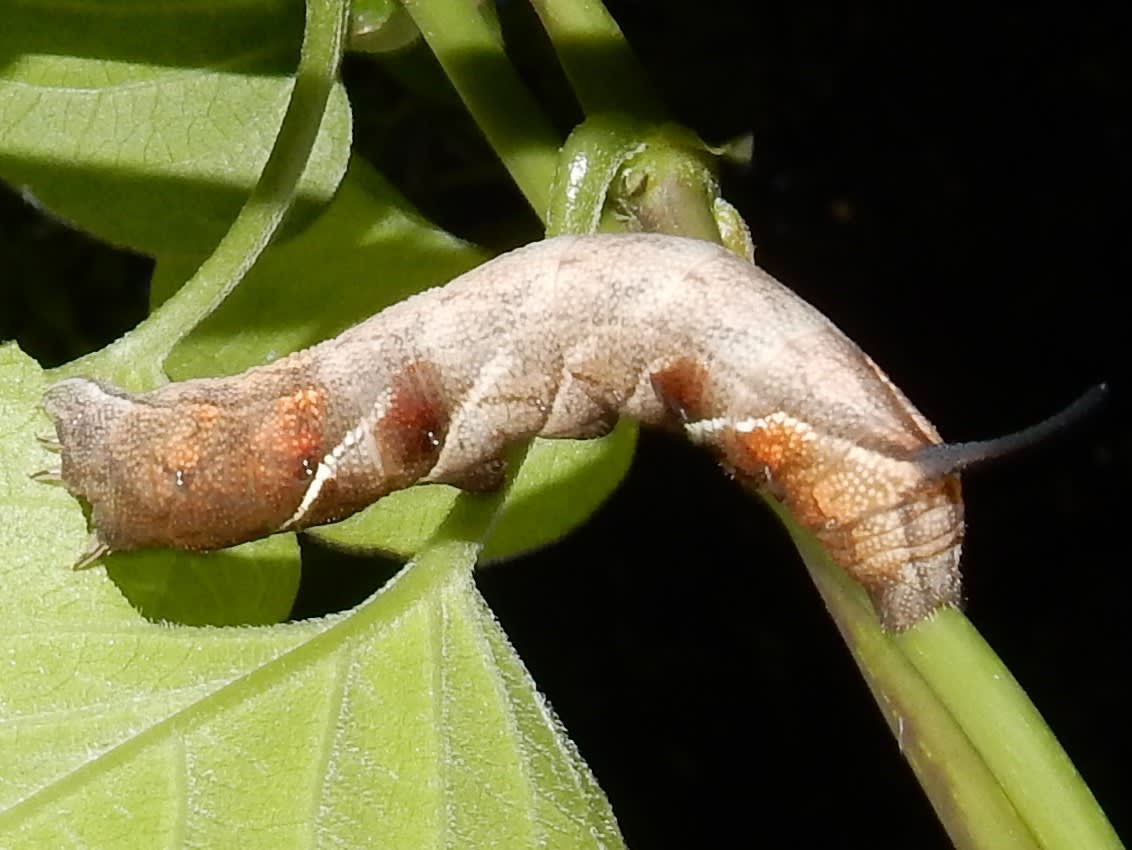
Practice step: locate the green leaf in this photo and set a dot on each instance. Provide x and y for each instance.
(160, 585)
(558, 487)
(147, 123)
(136, 360)
(368, 249)
(249, 585)
(561, 483)
(407, 722)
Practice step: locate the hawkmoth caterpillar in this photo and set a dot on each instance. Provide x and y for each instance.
(556, 339)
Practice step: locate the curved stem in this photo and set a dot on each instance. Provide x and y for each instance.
(135, 361)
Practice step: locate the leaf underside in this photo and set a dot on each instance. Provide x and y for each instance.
(405, 722)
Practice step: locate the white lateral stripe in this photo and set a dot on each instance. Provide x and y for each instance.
(326, 471)
(328, 466)
(703, 430)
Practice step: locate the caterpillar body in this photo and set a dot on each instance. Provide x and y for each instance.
(558, 339)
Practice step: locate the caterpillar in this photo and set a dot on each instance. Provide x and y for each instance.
(556, 339)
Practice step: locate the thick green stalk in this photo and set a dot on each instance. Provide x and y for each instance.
(992, 769)
(1006, 729)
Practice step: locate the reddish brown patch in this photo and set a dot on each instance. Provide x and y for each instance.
(890, 527)
(682, 388)
(412, 431)
(292, 436)
(783, 454)
(275, 453)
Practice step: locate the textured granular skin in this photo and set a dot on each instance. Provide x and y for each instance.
(557, 339)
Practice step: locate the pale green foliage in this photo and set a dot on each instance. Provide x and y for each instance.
(406, 722)
(167, 109)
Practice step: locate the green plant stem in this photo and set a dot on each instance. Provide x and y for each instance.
(589, 163)
(993, 771)
(472, 55)
(654, 178)
(600, 64)
(669, 186)
(135, 361)
(1008, 732)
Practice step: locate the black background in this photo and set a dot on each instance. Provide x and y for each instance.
(951, 187)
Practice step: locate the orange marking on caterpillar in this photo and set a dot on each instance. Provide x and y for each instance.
(292, 434)
(182, 451)
(556, 339)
